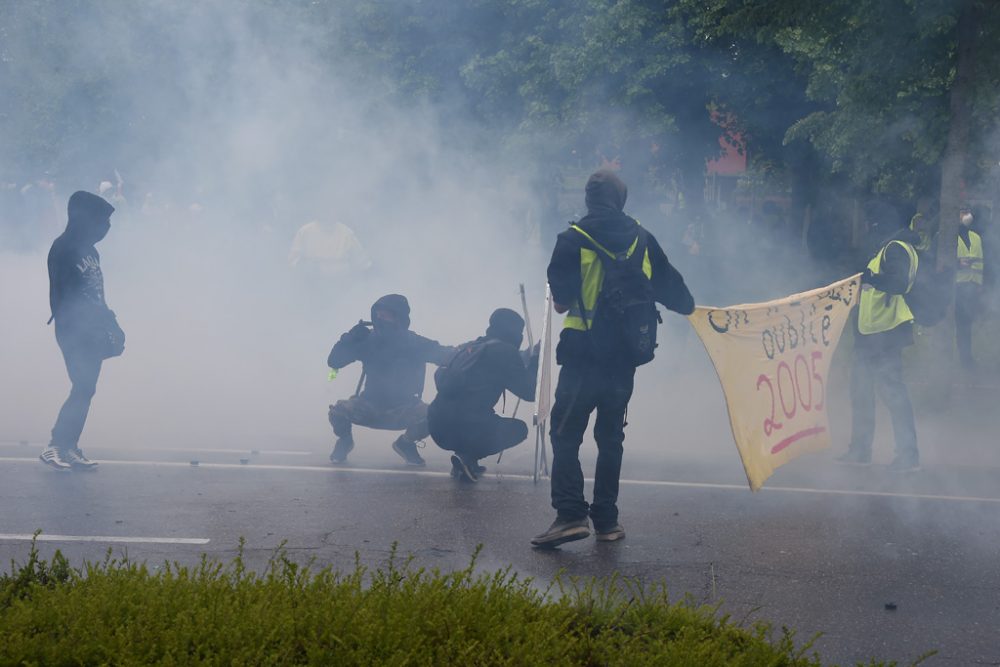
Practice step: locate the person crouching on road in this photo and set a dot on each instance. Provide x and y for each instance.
(884, 328)
(461, 417)
(597, 374)
(86, 329)
(393, 361)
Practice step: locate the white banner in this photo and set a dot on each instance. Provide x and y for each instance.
(773, 360)
(543, 390)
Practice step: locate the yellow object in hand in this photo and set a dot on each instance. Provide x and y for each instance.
(332, 375)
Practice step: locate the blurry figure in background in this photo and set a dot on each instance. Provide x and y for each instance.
(114, 194)
(968, 286)
(608, 272)
(923, 226)
(884, 328)
(327, 249)
(11, 217)
(86, 329)
(39, 212)
(461, 417)
(393, 361)
(690, 240)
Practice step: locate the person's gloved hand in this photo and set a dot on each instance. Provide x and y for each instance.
(530, 356)
(358, 333)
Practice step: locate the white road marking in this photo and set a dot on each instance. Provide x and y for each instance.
(117, 539)
(631, 482)
(192, 450)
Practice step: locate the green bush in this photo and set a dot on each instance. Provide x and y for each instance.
(120, 612)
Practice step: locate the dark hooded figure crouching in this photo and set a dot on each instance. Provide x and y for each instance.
(86, 329)
(393, 361)
(461, 418)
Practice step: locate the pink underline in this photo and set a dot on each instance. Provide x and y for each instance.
(798, 436)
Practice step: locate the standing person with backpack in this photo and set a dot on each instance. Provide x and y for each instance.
(86, 329)
(884, 327)
(608, 273)
(461, 417)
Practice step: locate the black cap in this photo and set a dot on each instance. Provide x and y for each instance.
(506, 325)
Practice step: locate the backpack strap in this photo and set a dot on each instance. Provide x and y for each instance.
(604, 255)
(628, 254)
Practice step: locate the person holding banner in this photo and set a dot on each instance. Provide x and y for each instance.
(461, 417)
(884, 328)
(605, 252)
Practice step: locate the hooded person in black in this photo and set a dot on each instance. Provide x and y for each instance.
(86, 329)
(461, 417)
(593, 377)
(393, 361)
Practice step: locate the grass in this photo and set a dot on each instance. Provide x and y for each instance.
(121, 612)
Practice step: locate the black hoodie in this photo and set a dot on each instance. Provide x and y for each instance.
(501, 367)
(393, 358)
(893, 278)
(611, 227)
(76, 284)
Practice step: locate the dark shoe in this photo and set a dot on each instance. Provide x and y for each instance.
(462, 470)
(480, 470)
(610, 534)
(905, 463)
(341, 450)
(562, 531)
(408, 451)
(55, 458)
(855, 457)
(76, 459)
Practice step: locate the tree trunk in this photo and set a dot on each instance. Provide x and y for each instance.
(953, 162)
(941, 365)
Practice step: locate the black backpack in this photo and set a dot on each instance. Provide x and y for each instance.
(456, 377)
(625, 316)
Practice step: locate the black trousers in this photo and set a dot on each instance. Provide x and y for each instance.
(473, 435)
(411, 418)
(881, 368)
(583, 388)
(966, 306)
(84, 368)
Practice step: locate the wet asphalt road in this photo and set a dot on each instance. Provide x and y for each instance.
(817, 553)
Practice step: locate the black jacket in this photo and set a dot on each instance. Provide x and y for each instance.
(76, 283)
(500, 368)
(893, 278)
(393, 361)
(612, 228)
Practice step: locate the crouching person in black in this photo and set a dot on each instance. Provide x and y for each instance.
(393, 361)
(461, 418)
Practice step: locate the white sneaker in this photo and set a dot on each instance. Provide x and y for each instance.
(54, 458)
(76, 459)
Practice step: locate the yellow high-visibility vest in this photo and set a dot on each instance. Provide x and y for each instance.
(970, 260)
(592, 275)
(879, 311)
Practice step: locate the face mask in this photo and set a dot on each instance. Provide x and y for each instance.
(101, 229)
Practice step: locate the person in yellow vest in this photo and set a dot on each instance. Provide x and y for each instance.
(597, 372)
(884, 328)
(968, 286)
